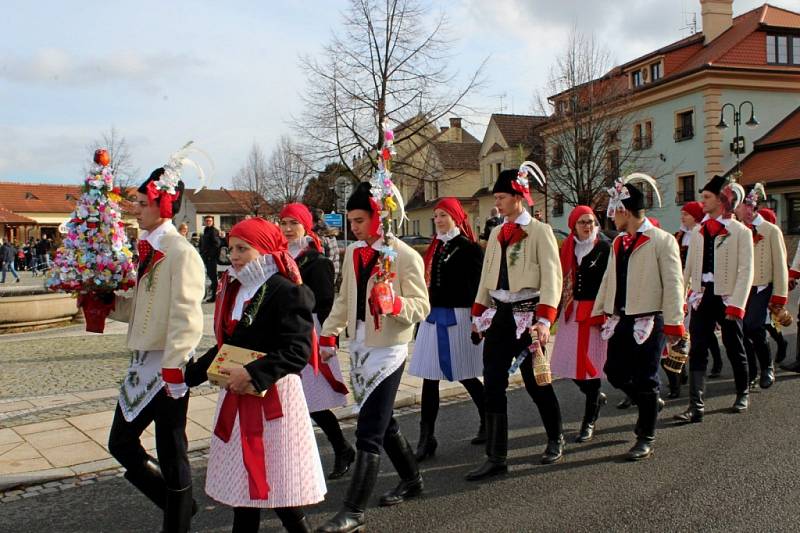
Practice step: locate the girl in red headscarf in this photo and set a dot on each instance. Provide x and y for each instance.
(323, 387)
(263, 453)
(579, 352)
(443, 348)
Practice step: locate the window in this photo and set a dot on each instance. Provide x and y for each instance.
(558, 156)
(612, 137)
(415, 227)
(612, 165)
(648, 134)
(226, 222)
(655, 71)
(783, 50)
(684, 126)
(685, 189)
(558, 205)
(636, 78)
(498, 168)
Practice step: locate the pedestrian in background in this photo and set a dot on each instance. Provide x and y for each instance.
(210, 245)
(494, 220)
(8, 255)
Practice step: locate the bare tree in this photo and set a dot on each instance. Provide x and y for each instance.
(589, 103)
(287, 173)
(125, 173)
(253, 178)
(391, 59)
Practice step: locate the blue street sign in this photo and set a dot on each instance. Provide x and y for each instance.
(334, 220)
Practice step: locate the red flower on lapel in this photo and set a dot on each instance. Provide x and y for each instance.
(517, 236)
(757, 237)
(158, 256)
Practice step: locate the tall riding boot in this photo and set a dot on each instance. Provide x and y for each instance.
(646, 426)
(293, 519)
(350, 517)
(480, 438)
(752, 368)
(246, 520)
(550, 412)
(594, 401)
(426, 447)
(344, 453)
(674, 384)
(149, 481)
(402, 457)
(767, 367)
(696, 393)
(496, 448)
(178, 513)
(716, 355)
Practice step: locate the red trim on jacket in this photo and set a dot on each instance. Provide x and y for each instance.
(778, 300)
(547, 312)
(734, 311)
(674, 330)
(478, 309)
(172, 375)
(327, 341)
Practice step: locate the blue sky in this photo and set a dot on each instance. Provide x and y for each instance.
(226, 74)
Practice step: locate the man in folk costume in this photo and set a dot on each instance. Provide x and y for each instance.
(444, 349)
(773, 328)
(165, 324)
(770, 289)
(718, 277)
(518, 294)
(263, 453)
(322, 386)
(378, 350)
(643, 310)
(579, 352)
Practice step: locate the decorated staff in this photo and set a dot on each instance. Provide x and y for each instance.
(443, 348)
(770, 290)
(642, 310)
(382, 297)
(165, 325)
(263, 453)
(718, 277)
(323, 386)
(518, 293)
(579, 352)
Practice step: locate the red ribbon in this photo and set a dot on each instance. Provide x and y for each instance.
(252, 410)
(164, 199)
(585, 368)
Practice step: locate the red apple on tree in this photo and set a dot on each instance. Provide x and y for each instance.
(101, 157)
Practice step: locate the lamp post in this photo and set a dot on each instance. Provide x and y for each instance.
(738, 145)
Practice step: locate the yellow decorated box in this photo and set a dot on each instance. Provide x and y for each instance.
(231, 357)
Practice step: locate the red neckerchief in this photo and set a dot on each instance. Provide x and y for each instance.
(363, 255)
(713, 227)
(224, 324)
(627, 240)
(510, 233)
(144, 248)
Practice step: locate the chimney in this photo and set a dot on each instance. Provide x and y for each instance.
(717, 18)
(455, 122)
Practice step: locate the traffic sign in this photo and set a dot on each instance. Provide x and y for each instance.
(334, 220)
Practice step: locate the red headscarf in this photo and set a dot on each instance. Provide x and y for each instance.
(695, 209)
(453, 208)
(300, 213)
(568, 246)
(768, 215)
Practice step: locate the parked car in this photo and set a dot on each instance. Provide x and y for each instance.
(415, 240)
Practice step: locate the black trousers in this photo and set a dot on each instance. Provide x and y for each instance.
(631, 367)
(702, 326)
(169, 416)
(501, 346)
(376, 417)
(211, 272)
(755, 332)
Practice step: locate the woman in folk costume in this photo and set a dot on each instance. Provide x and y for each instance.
(263, 451)
(379, 336)
(579, 352)
(323, 388)
(775, 332)
(444, 349)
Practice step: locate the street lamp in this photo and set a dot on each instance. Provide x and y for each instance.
(737, 146)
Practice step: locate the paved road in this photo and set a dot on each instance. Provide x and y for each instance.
(731, 473)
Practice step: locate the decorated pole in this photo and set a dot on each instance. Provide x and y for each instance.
(95, 258)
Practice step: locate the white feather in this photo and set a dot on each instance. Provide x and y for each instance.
(533, 169)
(644, 178)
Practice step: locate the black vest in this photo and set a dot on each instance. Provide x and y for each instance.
(455, 273)
(708, 252)
(502, 278)
(622, 274)
(361, 284)
(589, 275)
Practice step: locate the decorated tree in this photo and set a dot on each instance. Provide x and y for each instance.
(95, 258)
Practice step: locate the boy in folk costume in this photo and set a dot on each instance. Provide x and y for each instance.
(518, 294)
(770, 289)
(444, 349)
(322, 386)
(773, 330)
(642, 296)
(165, 324)
(378, 350)
(579, 352)
(718, 277)
(263, 453)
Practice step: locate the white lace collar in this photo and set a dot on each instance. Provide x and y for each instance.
(255, 273)
(298, 246)
(450, 235)
(582, 248)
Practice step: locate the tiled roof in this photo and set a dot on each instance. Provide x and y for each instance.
(458, 156)
(517, 129)
(220, 201)
(38, 197)
(782, 18)
(776, 155)
(7, 217)
(465, 201)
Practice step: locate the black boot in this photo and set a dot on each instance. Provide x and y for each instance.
(350, 517)
(178, 513)
(782, 343)
(342, 461)
(426, 447)
(480, 438)
(293, 519)
(150, 482)
(767, 367)
(402, 457)
(646, 426)
(246, 520)
(594, 401)
(554, 452)
(496, 448)
(696, 394)
(625, 403)
(674, 384)
(741, 403)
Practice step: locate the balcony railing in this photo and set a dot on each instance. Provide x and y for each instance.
(682, 197)
(684, 133)
(642, 143)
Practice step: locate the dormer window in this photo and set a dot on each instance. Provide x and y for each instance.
(636, 78)
(783, 50)
(31, 196)
(655, 72)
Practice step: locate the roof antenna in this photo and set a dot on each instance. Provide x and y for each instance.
(689, 21)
